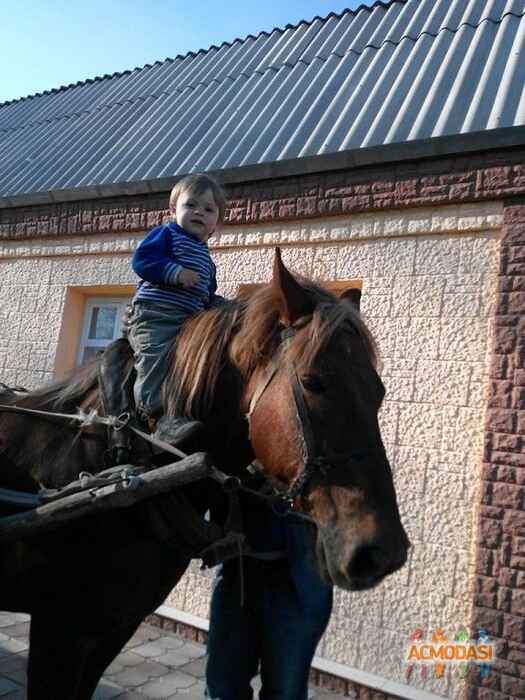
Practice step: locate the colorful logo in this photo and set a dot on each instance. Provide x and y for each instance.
(458, 653)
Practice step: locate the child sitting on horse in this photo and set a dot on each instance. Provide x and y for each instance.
(178, 279)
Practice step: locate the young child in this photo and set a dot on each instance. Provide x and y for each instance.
(177, 280)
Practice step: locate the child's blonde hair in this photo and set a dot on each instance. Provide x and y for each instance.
(197, 184)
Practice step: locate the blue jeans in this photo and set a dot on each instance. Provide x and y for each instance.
(152, 330)
(286, 611)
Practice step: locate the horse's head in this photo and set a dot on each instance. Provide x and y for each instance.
(313, 404)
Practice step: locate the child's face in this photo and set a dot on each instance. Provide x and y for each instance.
(197, 214)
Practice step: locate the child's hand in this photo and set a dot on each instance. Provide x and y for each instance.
(188, 278)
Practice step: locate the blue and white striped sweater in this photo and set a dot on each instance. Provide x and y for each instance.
(158, 260)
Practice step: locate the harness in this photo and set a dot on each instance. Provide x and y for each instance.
(281, 498)
(314, 462)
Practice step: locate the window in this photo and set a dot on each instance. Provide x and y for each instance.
(102, 325)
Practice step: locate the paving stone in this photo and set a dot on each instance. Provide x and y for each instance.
(106, 690)
(152, 669)
(114, 667)
(170, 667)
(21, 617)
(8, 619)
(170, 642)
(176, 658)
(16, 695)
(12, 662)
(10, 646)
(196, 668)
(8, 686)
(129, 658)
(132, 677)
(193, 650)
(149, 650)
(196, 692)
(144, 634)
(21, 629)
(168, 685)
(17, 676)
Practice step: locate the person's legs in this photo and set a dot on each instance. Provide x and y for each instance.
(297, 607)
(316, 596)
(152, 331)
(235, 633)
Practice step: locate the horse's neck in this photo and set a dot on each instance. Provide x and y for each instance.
(40, 452)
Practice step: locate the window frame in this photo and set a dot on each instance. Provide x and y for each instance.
(91, 303)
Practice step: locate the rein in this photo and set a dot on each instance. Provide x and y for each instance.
(85, 419)
(93, 418)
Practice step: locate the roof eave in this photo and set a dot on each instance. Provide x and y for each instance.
(437, 147)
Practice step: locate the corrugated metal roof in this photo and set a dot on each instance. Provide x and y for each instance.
(389, 73)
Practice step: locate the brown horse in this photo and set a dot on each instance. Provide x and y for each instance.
(295, 361)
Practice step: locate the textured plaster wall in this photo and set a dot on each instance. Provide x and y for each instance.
(428, 289)
(429, 283)
(34, 279)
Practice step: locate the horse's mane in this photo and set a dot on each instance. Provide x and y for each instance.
(244, 334)
(67, 394)
(232, 339)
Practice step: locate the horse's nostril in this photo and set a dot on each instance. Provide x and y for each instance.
(367, 561)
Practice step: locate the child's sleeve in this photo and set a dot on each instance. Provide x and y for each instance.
(153, 261)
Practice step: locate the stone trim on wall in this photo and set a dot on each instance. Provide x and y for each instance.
(462, 218)
(499, 603)
(474, 178)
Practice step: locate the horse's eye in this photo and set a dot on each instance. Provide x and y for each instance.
(313, 384)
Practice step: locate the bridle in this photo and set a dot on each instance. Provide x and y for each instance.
(315, 464)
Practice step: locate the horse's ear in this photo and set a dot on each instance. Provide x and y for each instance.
(294, 302)
(352, 296)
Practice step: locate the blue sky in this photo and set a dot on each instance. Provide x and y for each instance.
(48, 43)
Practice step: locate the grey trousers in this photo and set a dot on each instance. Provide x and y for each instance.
(152, 330)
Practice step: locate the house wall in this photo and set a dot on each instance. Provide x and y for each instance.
(429, 285)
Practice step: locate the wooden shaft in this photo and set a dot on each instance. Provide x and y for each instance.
(34, 522)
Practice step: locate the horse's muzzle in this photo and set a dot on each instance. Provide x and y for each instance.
(371, 563)
(363, 565)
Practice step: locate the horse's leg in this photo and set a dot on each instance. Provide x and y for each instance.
(107, 648)
(149, 572)
(56, 658)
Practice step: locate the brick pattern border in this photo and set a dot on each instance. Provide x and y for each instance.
(480, 177)
(320, 679)
(499, 602)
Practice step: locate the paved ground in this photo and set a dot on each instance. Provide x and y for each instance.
(154, 664)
